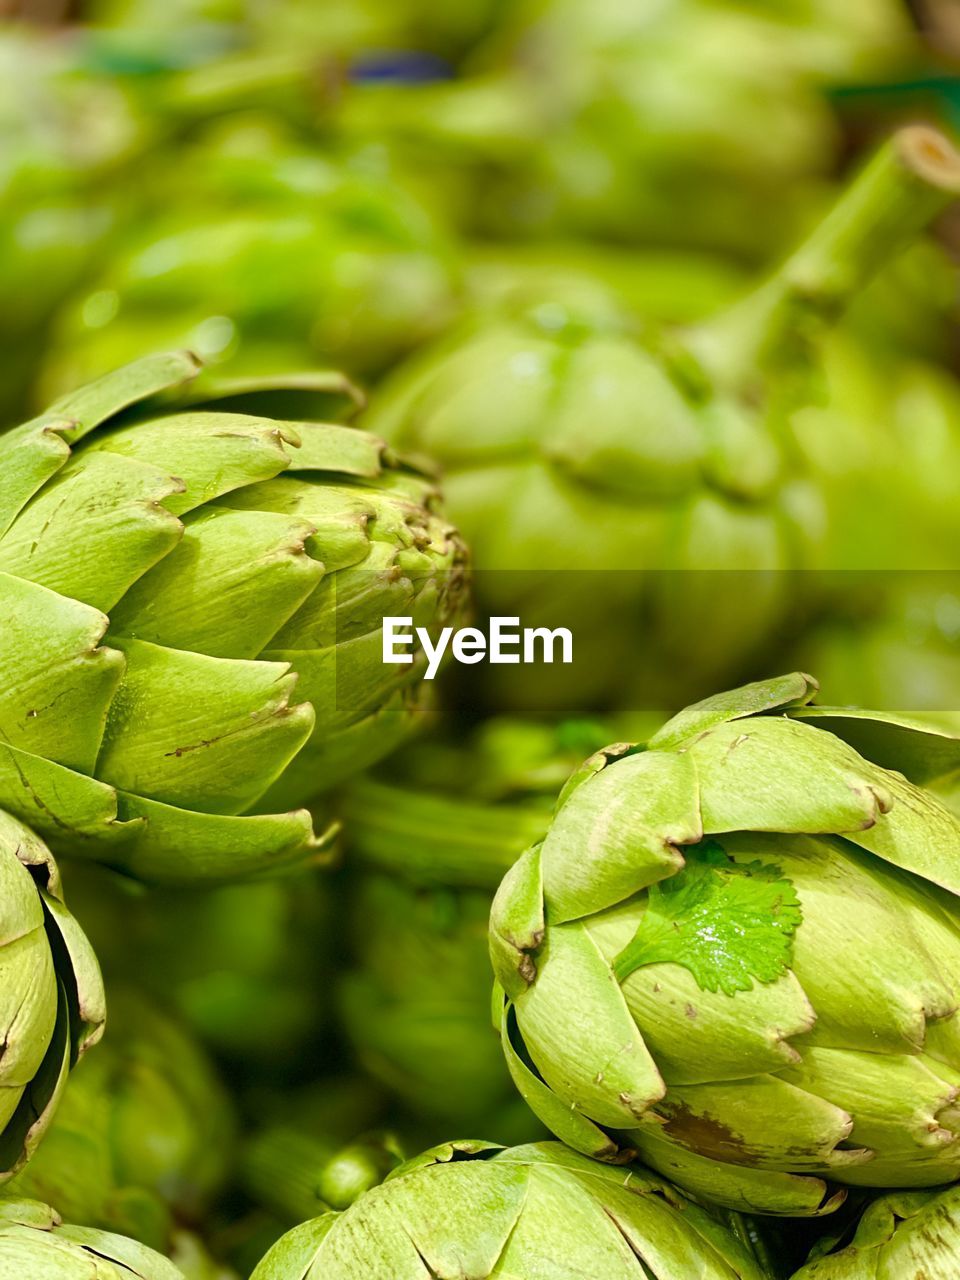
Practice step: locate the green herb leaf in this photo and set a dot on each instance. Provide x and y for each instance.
(729, 923)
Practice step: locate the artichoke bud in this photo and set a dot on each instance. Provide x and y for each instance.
(569, 445)
(471, 1208)
(199, 595)
(35, 1242)
(261, 254)
(682, 956)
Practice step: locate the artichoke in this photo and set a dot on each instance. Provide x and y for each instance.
(570, 446)
(52, 994)
(684, 123)
(470, 1208)
(910, 1235)
(142, 1134)
(168, 573)
(432, 835)
(35, 1243)
(735, 953)
(262, 255)
(63, 140)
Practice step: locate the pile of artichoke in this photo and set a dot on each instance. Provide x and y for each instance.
(327, 959)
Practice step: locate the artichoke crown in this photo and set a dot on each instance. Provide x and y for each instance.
(176, 578)
(735, 951)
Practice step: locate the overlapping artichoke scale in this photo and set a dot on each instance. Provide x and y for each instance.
(34, 1242)
(188, 585)
(902, 1234)
(836, 1068)
(481, 1211)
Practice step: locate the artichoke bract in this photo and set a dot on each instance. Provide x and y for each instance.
(35, 1243)
(473, 1209)
(143, 1133)
(909, 1235)
(51, 994)
(736, 953)
(193, 602)
(603, 480)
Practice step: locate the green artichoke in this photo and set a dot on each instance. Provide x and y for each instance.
(35, 1243)
(63, 140)
(432, 835)
(469, 1208)
(909, 1235)
(185, 27)
(692, 123)
(261, 254)
(142, 1135)
(51, 991)
(167, 578)
(735, 953)
(570, 448)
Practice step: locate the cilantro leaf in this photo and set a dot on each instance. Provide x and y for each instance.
(729, 923)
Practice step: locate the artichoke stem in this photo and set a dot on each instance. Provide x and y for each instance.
(912, 178)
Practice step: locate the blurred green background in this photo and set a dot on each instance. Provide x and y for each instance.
(480, 212)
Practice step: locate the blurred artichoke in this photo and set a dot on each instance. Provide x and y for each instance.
(469, 1208)
(735, 952)
(899, 649)
(886, 442)
(63, 140)
(35, 1243)
(262, 256)
(341, 27)
(694, 122)
(142, 1135)
(435, 832)
(52, 994)
(602, 481)
(910, 1235)
(225, 960)
(235, 555)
